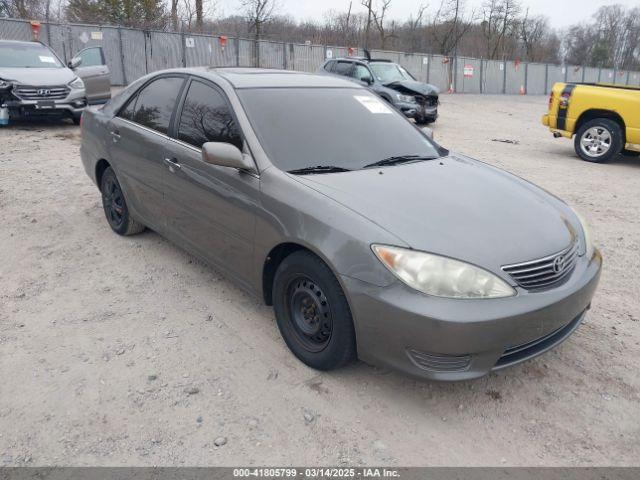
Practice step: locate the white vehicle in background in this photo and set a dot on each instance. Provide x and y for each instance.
(35, 82)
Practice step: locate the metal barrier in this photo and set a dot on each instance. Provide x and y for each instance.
(132, 53)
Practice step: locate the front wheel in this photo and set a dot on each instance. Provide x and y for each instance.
(599, 140)
(312, 312)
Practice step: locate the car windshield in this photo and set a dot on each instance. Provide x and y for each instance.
(389, 72)
(27, 56)
(344, 128)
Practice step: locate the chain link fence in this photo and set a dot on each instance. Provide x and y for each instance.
(132, 53)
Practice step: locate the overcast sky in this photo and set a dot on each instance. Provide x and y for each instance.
(561, 12)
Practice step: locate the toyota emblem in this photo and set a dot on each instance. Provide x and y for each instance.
(559, 264)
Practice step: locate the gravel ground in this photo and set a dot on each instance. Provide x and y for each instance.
(128, 351)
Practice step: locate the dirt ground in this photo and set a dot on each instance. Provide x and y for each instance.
(128, 351)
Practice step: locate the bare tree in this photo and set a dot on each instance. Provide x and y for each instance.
(499, 21)
(414, 25)
(258, 13)
(449, 25)
(378, 13)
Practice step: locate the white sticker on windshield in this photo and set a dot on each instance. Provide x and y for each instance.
(372, 104)
(45, 59)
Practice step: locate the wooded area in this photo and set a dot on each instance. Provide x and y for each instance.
(498, 29)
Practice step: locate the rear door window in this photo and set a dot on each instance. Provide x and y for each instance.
(343, 68)
(154, 104)
(329, 65)
(206, 117)
(91, 57)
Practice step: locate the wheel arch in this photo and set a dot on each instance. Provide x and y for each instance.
(275, 257)
(101, 166)
(595, 113)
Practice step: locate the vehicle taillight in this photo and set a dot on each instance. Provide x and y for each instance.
(550, 99)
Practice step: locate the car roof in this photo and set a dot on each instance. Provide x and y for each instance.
(20, 42)
(246, 77)
(362, 60)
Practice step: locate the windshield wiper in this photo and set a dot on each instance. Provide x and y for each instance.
(397, 160)
(318, 169)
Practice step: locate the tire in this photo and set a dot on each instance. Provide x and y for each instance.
(312, 312)
(115, 206)
(599, 140)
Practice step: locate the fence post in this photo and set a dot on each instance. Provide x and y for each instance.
(566, 72)
(284, 55)
(583, 73)
(615, 71)
(628, 77)
(504, 75)
(70, 40)
(599, 74)
(455, 74)
(481, 73)
(237, 51)
(526, 78)
(48, 33)
(121, 50)
(546, 77)
(429, 60)
(183, 49)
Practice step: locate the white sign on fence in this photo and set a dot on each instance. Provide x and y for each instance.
(425, 60)
(190, 42)
(96, 35)
(468, 70)
(329, 53)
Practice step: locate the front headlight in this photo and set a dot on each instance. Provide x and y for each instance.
(441, 276)
(405, 98)
(586, 244)
(77, 83)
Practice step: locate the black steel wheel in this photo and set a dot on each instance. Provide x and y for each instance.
(312, 312)
(115, 206)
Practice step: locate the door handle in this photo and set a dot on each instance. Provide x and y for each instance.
(115, 135)
(173, 164)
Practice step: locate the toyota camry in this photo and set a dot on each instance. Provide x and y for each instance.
(369, 239)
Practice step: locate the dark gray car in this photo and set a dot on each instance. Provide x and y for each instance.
(392, 82)
(370, 240)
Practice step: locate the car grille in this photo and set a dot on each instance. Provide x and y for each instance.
(426, 101)
(519, 353)
(439, 363)
(25, 92)
(545, 272)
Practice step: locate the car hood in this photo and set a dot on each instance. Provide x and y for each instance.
(457, 207)
(38, 76)
(412, 86)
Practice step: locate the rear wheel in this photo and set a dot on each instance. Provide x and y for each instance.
(599, 140)
(312, 312)
(115, 206)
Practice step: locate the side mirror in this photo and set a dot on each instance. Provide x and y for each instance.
(226, 155)
(74, 63)
(368, 80)
(428, 132)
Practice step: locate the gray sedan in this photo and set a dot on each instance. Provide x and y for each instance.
(369, 239)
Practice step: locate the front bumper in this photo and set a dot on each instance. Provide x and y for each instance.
(448, 339)
(72, 105)
(417, 111)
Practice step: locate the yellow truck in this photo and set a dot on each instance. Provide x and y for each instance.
(604, 118)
